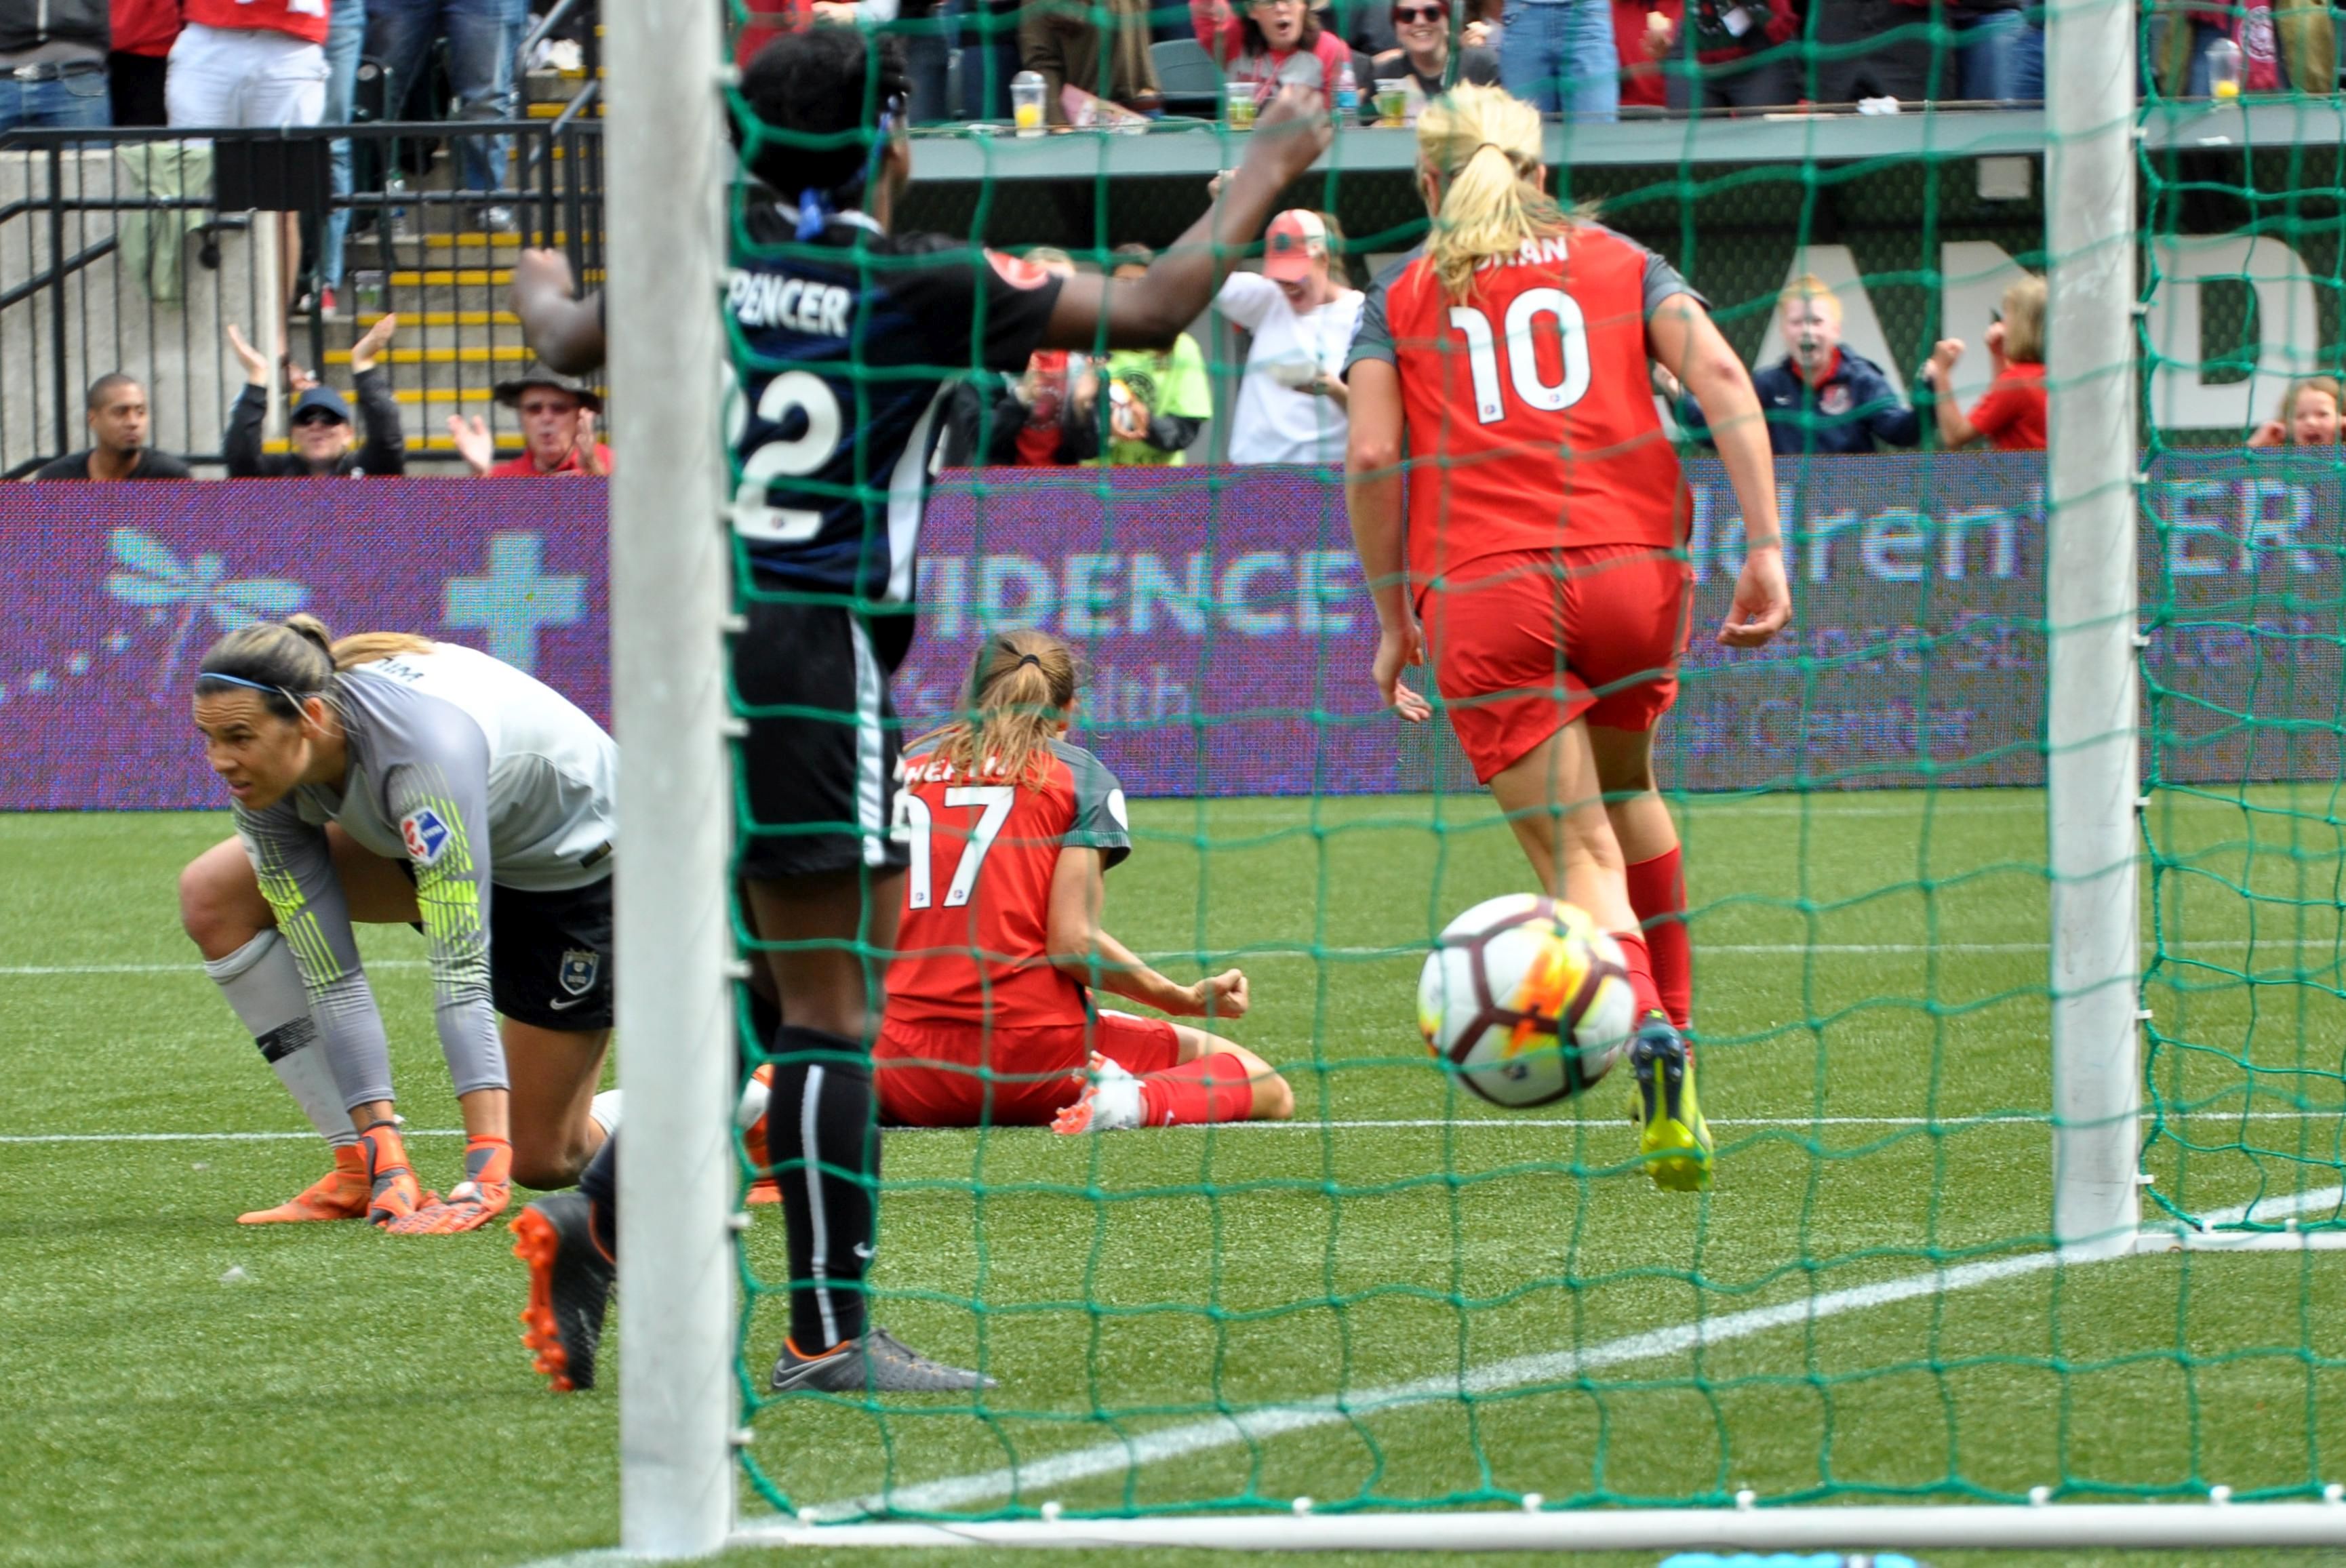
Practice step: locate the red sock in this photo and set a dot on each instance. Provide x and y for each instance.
(1657, 893)
(1641, 970)
(1210, 1089)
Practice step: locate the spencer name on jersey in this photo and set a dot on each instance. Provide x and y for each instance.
(848, 349)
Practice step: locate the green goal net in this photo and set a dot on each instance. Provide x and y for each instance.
(1406, 1299)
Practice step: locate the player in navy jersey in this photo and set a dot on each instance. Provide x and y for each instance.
(847, 339)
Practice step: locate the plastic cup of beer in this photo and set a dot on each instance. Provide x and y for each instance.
(1238, 106)
(1026, 102)
(1391, 101)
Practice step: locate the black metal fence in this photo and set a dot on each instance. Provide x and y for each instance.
(134, 251)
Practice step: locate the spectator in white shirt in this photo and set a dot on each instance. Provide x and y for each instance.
(1301, 315)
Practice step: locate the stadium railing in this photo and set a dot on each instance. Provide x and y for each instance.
(131, 250)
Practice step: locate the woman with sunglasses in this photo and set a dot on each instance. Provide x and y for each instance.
(324, 445)
(1273, 42)
(1423, 58)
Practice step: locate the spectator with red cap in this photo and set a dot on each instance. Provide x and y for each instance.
(557, 430)
(1273, 44)
(1300, 315)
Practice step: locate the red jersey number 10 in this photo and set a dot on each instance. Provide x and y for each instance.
(919, 876)
(1523, 366)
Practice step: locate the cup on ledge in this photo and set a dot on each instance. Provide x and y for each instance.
(1393, 101)
(1238, 106)
(2223, 69)
(1026, 102)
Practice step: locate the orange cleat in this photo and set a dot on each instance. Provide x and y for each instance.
(763, 1188)
(340, 1193)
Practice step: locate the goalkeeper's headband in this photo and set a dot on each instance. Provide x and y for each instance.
(260, 686)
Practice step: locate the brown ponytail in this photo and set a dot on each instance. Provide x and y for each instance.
(1021, 687)
(292, 660)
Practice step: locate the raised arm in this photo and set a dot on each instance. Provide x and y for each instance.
(1150, 311)
(560, 327)
(1086, 953)
(1682, 337)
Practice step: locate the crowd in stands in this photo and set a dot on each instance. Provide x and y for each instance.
(1146, 408)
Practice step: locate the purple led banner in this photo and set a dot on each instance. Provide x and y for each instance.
(1223, 619)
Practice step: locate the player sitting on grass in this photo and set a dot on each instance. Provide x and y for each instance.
(1510, 362)
(848, 335)
(990, 1014)
(387, 778)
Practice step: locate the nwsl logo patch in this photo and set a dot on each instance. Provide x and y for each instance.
(580, 965)
(425, 835)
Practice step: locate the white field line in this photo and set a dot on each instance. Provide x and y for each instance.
(1759, 949)
(1036, 1480)
(1463, 1124)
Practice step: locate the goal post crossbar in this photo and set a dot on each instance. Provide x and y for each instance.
(1944, 1527)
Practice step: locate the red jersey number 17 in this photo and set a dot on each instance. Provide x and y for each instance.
(1523, 366)
(997, 800)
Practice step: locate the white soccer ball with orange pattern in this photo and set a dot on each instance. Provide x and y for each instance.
(1525, 1001)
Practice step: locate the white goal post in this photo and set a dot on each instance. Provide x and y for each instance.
(678, 1404)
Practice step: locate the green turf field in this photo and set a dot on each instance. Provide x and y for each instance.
(1871, 993)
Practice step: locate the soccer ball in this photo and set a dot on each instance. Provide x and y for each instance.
(1526, 1001)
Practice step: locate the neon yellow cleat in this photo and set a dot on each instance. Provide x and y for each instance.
(1672, 1138)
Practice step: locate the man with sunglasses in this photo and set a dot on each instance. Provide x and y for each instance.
(323, 444)
(1423, 27)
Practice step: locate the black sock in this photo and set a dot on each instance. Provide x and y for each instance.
(600, 1182)
(822, 1087)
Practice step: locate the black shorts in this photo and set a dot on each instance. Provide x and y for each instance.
(819, 780)
(550, 956)
(550, 959)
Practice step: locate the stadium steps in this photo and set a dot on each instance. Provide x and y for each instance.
(457, 355)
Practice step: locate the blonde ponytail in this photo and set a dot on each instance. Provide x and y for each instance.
(1483, 147)
(1021, 689)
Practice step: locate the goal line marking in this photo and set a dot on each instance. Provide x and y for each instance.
(1951, 1124)
(1745, 949)
(1033, 1482)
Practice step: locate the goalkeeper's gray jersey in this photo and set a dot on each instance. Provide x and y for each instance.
(474, 774)
(531, 775)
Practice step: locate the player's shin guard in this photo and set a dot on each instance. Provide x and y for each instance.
(1210, 1089)
(263, 985)
(826, 1153)
(1658, 895)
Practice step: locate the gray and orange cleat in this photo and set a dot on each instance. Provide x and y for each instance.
(340, 1194)
(877, 1363)
(570, 1282)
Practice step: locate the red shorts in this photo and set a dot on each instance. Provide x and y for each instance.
(1526, 642)
(933, 1073)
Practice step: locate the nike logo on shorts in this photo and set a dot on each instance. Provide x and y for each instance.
(563, 1005)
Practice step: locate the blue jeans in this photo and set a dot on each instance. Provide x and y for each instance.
(928, 59)
(2000, 59)
(988, 60)
(1559, 56)
(482, 38)
(75, 103)
(345, 32)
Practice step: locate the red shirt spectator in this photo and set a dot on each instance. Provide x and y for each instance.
(2011, 413)
(557, 429)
